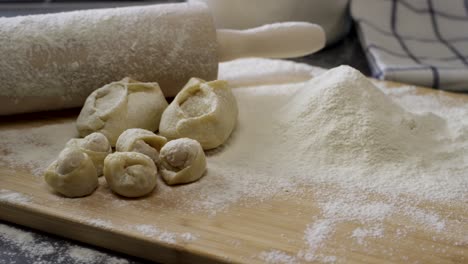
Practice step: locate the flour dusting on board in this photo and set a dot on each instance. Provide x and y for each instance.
(360, 234)
(278, 257)
(14, 197)
(101, 223)
(365, 153)
(34, 148)
(163, 235)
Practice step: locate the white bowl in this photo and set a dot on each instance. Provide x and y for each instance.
(242, 14)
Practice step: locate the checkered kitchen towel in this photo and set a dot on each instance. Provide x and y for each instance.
(423, 42)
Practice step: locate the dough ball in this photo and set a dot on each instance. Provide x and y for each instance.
(204, 111)
(130, 174)
(73, 174)
(121, 105)
(142, 141)
(182, 161)
(96, 146)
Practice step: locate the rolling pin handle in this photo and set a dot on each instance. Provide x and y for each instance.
(279, 40)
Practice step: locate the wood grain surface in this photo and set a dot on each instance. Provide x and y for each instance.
(239, 234)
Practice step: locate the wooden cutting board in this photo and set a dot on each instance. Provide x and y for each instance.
(263, 231)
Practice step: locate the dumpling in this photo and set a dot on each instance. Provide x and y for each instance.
(130, 174)
(182, 161)
(120, 105)
(96, 146)
(204, 111)
(73, 174)
(142, 141)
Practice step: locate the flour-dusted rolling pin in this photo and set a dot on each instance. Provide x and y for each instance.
(55, 61)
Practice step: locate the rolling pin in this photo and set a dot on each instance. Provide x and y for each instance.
(55, 61)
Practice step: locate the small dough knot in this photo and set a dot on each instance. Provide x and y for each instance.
(130, 174)
(182, 161)
(142, 141)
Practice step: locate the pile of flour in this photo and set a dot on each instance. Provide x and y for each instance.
(354, 135)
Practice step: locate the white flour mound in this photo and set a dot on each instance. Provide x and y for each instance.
(342, 118)
(340, 126)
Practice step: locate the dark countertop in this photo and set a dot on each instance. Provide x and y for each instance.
(348, 51)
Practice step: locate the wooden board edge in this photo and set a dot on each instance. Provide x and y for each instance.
(141, 248)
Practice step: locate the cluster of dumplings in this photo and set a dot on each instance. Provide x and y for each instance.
(123, 115)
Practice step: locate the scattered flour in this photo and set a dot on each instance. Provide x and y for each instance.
(337, 130)
(105, 224)
(14, 197)
(188, 236)
(277, 257)
(352, 210)
(82, 255)
(427, 220)
(26, 241)
(360, 234)
(315, 234)
(163, 235)
(152, 231)
(38, 251)
(328, 259)
(34, 148)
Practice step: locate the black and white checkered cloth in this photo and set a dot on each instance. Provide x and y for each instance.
(423, 42)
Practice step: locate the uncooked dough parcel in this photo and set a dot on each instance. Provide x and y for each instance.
(182, 161)
(204, 111)
(130, 174)
(121, 105)
(73, 174)
(96, 146)
(142, 141)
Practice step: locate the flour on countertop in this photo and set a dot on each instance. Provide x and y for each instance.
(37, 250)
(333, 130)
(83, 255)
